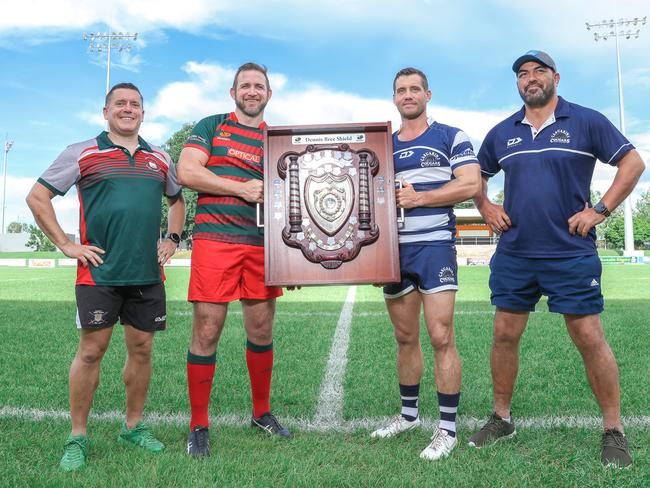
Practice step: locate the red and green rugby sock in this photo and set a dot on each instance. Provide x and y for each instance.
(259, 360)
(200, 373)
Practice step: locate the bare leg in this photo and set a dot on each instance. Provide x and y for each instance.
(207, 324)
(405, 315)
(509, 326)
(586, 331)
(439, 318)
(84, 375)
(258, 320)
(137, 372)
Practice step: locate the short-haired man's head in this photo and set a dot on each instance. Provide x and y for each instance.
(251, 67)
(411, 71)
(127, 86)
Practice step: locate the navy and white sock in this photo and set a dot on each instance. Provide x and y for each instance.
(410, 396)
(448, 404)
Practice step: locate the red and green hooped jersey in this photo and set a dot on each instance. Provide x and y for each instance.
(235, 152)
(120, 199)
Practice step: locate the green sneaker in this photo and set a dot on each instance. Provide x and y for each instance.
(140, 436)
(74, 453)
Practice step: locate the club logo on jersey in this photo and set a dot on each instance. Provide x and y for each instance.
(467, 153)
(446, 275)
(406, 154)
(562, 136)
(152, 165)
(224, 135)
(194, 139)
(236, 153)
(514, 141)
(98, 317)
(429, 159)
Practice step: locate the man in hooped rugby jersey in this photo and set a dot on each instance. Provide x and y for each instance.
(437, 167)
(548, 152)
(223, 160)
(120, 181)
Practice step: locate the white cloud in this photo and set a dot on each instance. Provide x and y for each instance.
(66, 208)
(207, 92)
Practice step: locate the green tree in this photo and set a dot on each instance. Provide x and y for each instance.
(601, 229)
(39, 241)
(642, 208)
(499, 198)
(17, 228)
(174, 146)
(466, 204)
(615, 232)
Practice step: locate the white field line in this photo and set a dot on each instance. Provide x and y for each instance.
(353, 425)
(329, 409)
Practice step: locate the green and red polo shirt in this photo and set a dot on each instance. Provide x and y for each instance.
(235, 152)
(120, 197)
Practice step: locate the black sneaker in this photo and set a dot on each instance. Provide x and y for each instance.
(495, 429)
(270, 425)
(616, 452)
(198, 444)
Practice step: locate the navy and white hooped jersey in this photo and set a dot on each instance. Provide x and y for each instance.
(548, 176)
(428, 162)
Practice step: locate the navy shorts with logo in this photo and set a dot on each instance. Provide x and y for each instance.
(430, 269)
(142, 306)
(572, 285)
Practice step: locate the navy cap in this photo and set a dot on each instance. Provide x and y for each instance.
(534, 55)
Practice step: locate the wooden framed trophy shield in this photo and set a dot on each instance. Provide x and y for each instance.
(329, 206)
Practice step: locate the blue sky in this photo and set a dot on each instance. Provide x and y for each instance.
(329, 62)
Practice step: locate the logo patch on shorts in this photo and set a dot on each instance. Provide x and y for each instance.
(446, 275)
(594, 282)
(160, 319)
(98, 317)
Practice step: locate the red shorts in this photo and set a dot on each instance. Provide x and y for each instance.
(225, 272)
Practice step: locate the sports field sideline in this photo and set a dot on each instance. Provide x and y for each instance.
(334, 380)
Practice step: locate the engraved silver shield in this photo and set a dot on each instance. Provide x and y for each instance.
(329, 200)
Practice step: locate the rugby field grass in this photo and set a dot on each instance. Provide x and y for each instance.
(39, 340)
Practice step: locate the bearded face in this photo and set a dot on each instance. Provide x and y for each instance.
(536, 84)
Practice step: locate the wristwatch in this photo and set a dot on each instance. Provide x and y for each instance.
(602, 209)
(175, 238)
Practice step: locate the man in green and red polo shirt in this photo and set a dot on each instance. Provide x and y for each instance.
(120, 181)
(223, 160)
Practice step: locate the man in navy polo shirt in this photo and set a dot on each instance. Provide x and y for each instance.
(548, 151)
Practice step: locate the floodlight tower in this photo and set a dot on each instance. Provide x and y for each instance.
(629, 29)
(8, 145)
(108, 41)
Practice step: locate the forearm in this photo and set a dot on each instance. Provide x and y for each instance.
(629, 171)
(176, 216)
(465, 185)
(481, 198)
(201, 179)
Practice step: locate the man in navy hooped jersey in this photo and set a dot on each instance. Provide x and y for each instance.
(437, 167)
(548, 151)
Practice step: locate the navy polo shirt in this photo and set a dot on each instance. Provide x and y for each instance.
(548, 176)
